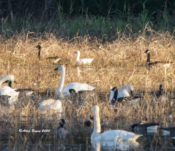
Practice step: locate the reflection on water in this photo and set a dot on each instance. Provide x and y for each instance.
(84, 70)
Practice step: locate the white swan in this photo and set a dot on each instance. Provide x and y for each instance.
(7, 90)
(75, 86)
(124, 92)
(112, 139)
(12, 94)
(83, 60)
(9, 78)
(51, 105)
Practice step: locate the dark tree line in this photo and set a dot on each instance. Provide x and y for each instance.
(51, 8)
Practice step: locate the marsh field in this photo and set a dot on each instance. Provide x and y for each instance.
(116, 63)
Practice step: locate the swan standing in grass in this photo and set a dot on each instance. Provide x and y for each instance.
(85, 61)
(112, 139)
(125, 91)
(75, 87)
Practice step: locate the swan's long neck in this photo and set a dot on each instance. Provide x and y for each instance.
(78, 56)
(97, 125)
(61, 84)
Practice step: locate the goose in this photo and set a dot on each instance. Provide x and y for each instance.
(85, 61)
(160, 91)
(55, 59)
(168, 131)
(125, 92)
(150, 64)
(72, 88)
(87, 123)
(61, 130)
(161, 95)
(112, 139)
(145, 128)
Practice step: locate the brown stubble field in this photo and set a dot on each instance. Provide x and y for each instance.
(115, 64)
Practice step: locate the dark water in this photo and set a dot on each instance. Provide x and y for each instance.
(23, 136)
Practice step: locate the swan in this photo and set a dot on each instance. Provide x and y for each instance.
(74, 87)
(124, 92)
(51, 105)
(112, 139)
(82, 60)
(9, 78)
(12, 94)
(7, 90)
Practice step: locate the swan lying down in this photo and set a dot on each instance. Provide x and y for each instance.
(51, 105)
(82, 61)
(9, 96)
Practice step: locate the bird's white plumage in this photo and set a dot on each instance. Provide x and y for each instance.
(9, 77)
(76, 86)
(152, 129)
(112, 139)
(173, 138)
(5, 90)
(111, 96)
(165, 132)
(51, 104)
(125, 91)
(82, 60)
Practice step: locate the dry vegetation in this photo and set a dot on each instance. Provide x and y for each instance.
(116, 63)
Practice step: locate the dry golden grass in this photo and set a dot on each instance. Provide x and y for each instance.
(115, 64)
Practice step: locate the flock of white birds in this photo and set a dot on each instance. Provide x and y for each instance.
(115, 139)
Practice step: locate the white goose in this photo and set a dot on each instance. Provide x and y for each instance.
(112, 139)
(124, 92)
(72, 87)
(84, 61)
